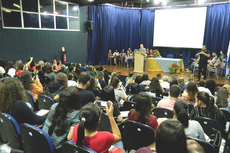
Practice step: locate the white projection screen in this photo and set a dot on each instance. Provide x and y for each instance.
(180, 27)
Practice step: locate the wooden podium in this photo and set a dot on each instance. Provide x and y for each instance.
(139, 62)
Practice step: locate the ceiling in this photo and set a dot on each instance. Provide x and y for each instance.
(145, 3)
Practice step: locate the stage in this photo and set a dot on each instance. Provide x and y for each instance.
(124, 71)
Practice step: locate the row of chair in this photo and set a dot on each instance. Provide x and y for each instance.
(31, 139)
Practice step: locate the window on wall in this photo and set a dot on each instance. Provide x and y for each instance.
(40, 14)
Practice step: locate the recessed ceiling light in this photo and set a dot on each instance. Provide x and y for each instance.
(91, 0)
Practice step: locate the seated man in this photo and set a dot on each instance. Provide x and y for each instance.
(213, 59)
(165, 84)
(174, 94)
(202, 88)
(85, 95)
(122, 55)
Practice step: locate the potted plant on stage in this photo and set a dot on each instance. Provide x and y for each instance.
(174, 68)
(155, 53)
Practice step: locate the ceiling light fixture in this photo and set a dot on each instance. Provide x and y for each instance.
(201, 1)
(91, 0)
(16, 5)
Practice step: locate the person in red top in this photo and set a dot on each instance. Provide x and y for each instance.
(86, 133)
(21, 68)
(142, 112)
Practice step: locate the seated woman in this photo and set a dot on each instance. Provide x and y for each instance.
(95, 87)
(190, 92)
(63, 115)
(31, 84)
(100, 78)
(129, 77)
(129, 59)
(135, 90)
(12, 102)
(107, 94)
(110, 56)
(86, 133)
(143, 111)
(53, 89)
(20, 69)
(49, 72)
(92, 71)
(116, 57)
(211, 85)
(155, 87)
(204, 107)
(192, 128)
(30, 64)
(145, 80)
(119, 92)
(171, 138)
(222, 100)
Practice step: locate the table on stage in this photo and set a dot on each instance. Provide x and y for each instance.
(162, 64)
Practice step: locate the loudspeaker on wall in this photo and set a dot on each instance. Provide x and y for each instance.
(89, 25)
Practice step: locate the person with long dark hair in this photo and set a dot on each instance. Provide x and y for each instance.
(211, 85)
(94, 87)
(86, 133)
(135, 90)
(143, 111)
(100, 77)
(204, 107)
(31, 84)
(49, 72)
(222, 100)
(107, 94)
(63, 115)
(189, 93)
(13, 102)
(192, 128)
(155, 86)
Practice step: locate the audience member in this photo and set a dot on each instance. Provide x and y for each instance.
(137, 80)
(13, 102)
(77, 69)
(143, 111)
(31, 84)
(135, 89)
(165, 84)
(159, 78)
(119, 92)
(86, 133)
(156, 87)
(132, 80)
(174, 82)
(63, 68)
(10, 70)
(174, 94)
(20, 69)
(71, 70)
(17, 64)
(2, 66)
(222, 100)
(189, 93)
(71, 82)
(94, 87)
(129, 77)
(59, 64)
(108, 94)
(145, 80)
(181, 84)
(100, 78)
(92, 71)
(204, 107)
(54, 88)
(202, 88)
(54, 65)
(211, 85)
(49, 72)
(84, 68)
(192, 128)
(85, 95)
(106, 75)
(63, 115)
(174, 77)
(30, 64)
(189, 80)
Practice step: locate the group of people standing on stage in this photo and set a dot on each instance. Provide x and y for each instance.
(206, 62)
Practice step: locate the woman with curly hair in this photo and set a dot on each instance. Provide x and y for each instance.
(12, 101)
(63, 115)
(31, 84)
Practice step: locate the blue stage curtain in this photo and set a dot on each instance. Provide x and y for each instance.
(147, 24)
(114, 28)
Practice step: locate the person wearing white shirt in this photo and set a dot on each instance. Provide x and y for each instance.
(202, 88)
(165, 84)
(71, 82)
(116, 57)
(10, 70)
(2, 65)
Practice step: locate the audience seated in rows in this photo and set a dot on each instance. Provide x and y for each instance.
(143, 111)
(13, 102)
(174, 94)
(86, 133)
(204, 107)
(63, 115)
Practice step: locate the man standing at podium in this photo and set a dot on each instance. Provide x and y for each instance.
(142, 50)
